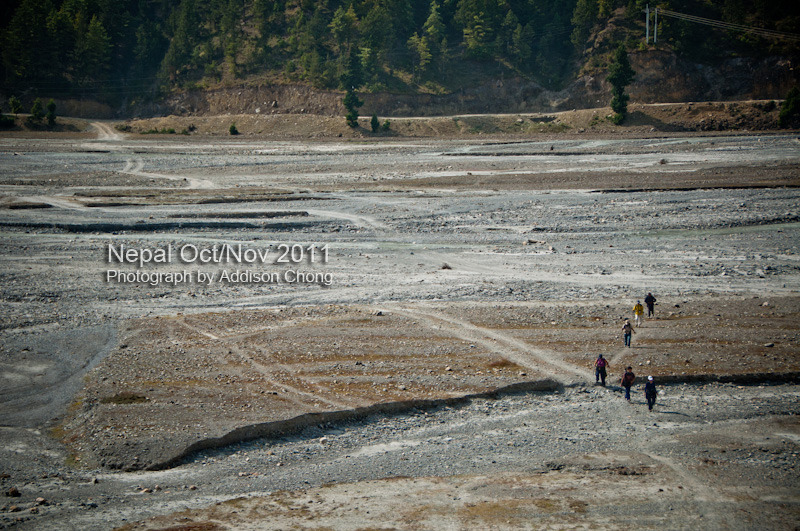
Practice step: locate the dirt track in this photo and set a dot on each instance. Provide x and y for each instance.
(457, 267)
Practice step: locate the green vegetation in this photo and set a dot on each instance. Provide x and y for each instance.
(162, 131)
(15, 105)
(51, 113)
(233, 130)
(351, 104)
(620, 75)
(790, 110)
(37, 112)
(125, 50)
(374, 123)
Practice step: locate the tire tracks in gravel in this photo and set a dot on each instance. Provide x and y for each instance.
(509, 347)
(266, 372)
(135, 165)
(63, 202)
(359, 220)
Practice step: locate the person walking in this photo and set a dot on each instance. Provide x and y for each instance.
(650, 393)
(627, 332)
(627, 382)
(600, 366)
(650, 301)
(638, 312)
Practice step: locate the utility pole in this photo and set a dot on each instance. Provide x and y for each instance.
(647, 24)
(655, 29)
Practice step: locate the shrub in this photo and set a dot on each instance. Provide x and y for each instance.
(37, 111)
(51, 113)
(15, 104)
(6, 121)
(790, 110)
(162, 131)
(374, 123)
(232, 129)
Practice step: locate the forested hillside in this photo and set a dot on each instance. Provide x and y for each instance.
(119, 51)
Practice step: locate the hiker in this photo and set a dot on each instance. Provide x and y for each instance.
(650, 393)
(638, 312)
(600, 366)
(627, 382)
(650, 301)
(627, 332)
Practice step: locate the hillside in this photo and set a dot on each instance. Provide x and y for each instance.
(405, 58)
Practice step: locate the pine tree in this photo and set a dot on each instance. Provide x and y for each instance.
(620, 75)
(478, 38)
(23, 38)
(422, 54)
(344, 27)
(37, 112)
(376, 29)
(93, 51)
(51, 113)
(353, 75)
(351, 103)
(583, 19)
(15, 104)
(790, 110)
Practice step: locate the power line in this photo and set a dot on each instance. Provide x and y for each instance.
(762, 32)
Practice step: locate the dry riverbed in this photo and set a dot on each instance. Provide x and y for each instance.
(430, 365)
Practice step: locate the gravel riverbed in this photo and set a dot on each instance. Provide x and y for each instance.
(526, 254)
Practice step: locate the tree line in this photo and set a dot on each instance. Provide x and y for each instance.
(119, 50)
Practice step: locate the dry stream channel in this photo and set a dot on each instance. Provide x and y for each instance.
(398, 228)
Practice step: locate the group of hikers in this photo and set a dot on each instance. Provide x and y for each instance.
(638, 313)
(601, 370)
(601, 365)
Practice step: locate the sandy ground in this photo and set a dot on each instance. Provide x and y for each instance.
(441, 269)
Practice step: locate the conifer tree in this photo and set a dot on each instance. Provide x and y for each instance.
(620, 75)
(37, 112)
(15, 104)
(422, 54)
(790, 110)
(583, 18)
(351, 103)
(51, 113)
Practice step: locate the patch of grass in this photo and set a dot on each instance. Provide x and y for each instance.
(578, 506)
(499, 364)
(73, 461)
(494, 511)
(547, 504)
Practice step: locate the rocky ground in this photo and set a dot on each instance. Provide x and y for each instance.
(442, 269)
